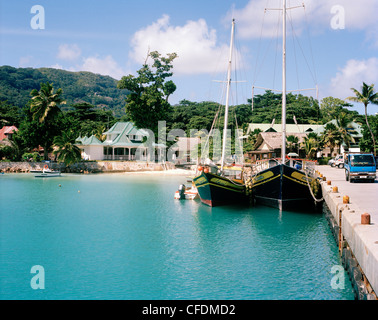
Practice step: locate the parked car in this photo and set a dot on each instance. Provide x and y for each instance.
(339, 163)
(360, 167)
(332, 162)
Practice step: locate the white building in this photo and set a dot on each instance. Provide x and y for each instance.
(123, 142)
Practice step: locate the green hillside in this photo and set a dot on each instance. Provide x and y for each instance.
(98, 90)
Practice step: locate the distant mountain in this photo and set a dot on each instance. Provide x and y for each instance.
(99, 90)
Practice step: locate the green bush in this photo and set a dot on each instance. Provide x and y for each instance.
(324, 161)
(7, 153)
(31, 156)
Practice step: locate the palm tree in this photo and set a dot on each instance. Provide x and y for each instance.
(251, 140)
(292, 143)
(45, 103)
(66, 149)
(366, 96)
(342, 122)
(311, 145)
(331, 137)
(44, 106)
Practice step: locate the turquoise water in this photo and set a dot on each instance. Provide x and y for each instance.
(124, 237)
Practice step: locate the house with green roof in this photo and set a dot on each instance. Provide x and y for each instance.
(269, 140)
(123, 141)
(290, 128)
(91, 148)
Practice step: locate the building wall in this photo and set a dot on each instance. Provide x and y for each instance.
(93, 153)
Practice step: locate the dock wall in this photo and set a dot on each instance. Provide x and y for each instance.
(87, 167)
(357, 242)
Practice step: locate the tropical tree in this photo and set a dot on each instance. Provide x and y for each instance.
(44, 108)
(331, 107)
(310, 145)
(342, 122)
(9, 115)
(45, 103)
(292, 143)
(366, 142)
(148, 101)
(366, 96)
(66, 148)
(249, 144)
(330, 137)
(9, 149)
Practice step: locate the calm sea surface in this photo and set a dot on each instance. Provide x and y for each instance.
(123, 236)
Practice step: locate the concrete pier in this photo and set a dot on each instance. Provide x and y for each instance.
(354, 212)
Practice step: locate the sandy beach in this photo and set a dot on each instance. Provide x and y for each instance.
(179, 172)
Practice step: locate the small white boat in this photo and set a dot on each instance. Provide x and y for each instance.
(46, 173)
(186, 194)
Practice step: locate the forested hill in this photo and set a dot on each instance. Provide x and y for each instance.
(98, 90)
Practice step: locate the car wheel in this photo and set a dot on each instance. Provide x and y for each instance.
(346, 176)
(332, 165)
(341, 165)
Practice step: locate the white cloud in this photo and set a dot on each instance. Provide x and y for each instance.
(195, 43)
(101, 65)
(352, 75)
(56, 66)
(105, 66)
(360, 15)
(69, 52)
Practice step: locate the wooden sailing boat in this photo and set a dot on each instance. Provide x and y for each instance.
(282, 185)
(224, 185)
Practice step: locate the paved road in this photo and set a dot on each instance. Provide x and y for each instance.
(363, 194)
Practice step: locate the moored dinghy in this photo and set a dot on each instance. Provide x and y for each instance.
(184, 193)
(46, 173)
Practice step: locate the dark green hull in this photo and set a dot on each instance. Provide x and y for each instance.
(215, 190)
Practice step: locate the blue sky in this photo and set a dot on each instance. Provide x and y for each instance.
(338, 38)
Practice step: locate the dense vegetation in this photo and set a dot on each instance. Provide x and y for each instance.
(98, 90)
(90, 104)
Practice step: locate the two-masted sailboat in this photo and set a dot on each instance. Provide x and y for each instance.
(225, 184)
(286, 183)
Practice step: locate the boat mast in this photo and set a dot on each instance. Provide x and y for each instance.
(227, 96)
(283, 148)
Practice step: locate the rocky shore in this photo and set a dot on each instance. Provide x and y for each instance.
(86, 166)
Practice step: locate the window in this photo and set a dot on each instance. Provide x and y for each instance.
(362, 160)
(119, 151)
(107, 151)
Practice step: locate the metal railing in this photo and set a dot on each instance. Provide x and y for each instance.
(307, 166)
(121, 157)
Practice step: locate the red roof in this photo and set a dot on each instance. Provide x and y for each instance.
(6, 130)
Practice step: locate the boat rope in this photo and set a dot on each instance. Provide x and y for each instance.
(235, 183)
(309, 186)
(204, 150)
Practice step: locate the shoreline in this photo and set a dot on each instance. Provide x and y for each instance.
(177, 172)
(123, 168)
(95, 167)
